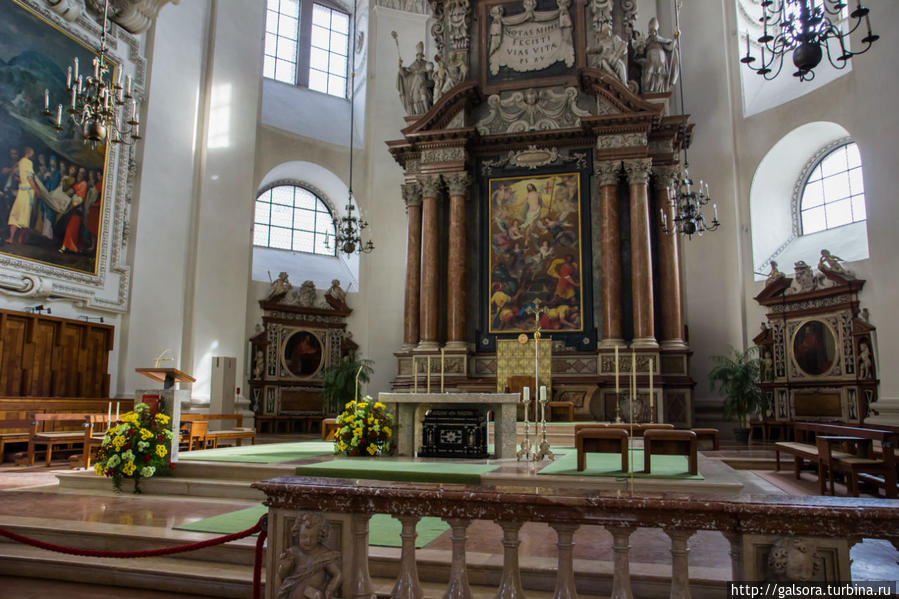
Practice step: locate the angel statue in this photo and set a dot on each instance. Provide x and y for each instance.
(829, 262)
(658, 57)
(609, 53)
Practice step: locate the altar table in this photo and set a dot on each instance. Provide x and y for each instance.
(407, 427)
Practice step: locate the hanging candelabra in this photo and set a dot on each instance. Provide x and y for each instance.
(686, 201)
(348, 228)
(95, 100)
(806, 29)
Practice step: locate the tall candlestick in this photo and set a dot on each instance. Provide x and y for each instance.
(116, 411)
(442, 358)
(633, 379)
(651, 397)
(429, 374)
(617, 388)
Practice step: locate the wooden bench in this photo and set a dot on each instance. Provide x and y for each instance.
(707, 436)
(95, 429)
(856, 457)
(14, 430)
(238, 433)
(640, 428)
(565, 408)
(670, 442)
(600, 440)
(41, 435)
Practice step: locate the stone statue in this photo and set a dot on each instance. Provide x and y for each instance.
(496, 29)
(774, 274)
(279, 287)
(457, 17)
(308, 570)
(602, 12)
(336, 296)
(831, 263)
(306, 296)
(658, 57)
(415, 83)
(804, 278)
(259, 366)
(792, 559)
(767, 366)
(609, 53)
(865, 364)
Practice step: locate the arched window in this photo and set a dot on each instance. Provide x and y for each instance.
(290, 217)
(834, 192)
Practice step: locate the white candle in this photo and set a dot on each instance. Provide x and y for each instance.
(76, 70)
(74, 95)
(617, 388)
(46, 100)
(128, 86)
(116, 411)
(109, 415)
(59, 115)
(69, 78)
(715, 207)
(526, 394)
(542, 393)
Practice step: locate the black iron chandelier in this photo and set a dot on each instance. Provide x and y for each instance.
(686, 200)
(348, 228)
(807, 29)
(96, 100)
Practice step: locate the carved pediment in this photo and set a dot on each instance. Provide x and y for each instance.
(448, 113)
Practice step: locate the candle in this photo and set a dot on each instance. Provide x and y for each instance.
(109, 415)
(59, 115)
(128, 86)
(46, 100)
(80, 84)
(429, 374)
(74, 95)
(542, 393)
(75, 75)
(118, 78)
(526, 396)
(116, 411)
(69, 79)
(715, 208)
(96, 68)
(617, 388)
(442, 358)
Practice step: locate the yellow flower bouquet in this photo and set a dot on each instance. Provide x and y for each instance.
(136, 447)
(364, 429)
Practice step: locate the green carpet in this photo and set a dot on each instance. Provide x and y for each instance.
(266, 453)
(609, 464)
(383, 530)
(381, 469)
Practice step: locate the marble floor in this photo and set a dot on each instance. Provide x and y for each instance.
(32, 492)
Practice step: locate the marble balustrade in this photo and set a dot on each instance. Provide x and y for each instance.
(824, 527)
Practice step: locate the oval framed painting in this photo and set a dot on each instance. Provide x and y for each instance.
(814, 348)
(302, 354)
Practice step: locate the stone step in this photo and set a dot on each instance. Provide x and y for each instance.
(166, 485)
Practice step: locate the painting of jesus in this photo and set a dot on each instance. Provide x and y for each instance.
(535, 253)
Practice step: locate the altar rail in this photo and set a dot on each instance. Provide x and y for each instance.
(754, 527)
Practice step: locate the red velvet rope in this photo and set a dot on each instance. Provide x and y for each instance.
(257, 562)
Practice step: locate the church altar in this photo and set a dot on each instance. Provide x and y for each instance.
(410, 409)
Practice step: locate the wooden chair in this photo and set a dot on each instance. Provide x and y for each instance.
(860, 461)
(707, 436)
(670, 442)
(516, 384)
(197, 431)
(600, 440)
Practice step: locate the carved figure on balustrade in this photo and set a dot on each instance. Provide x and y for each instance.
(609, 53)
(658, 57)
(336, 296)
(279, 287)
(792, 559)
(828, 263)
(308, 569)
(304, 297)
(415, 83)
(865, 370)
(774, 275)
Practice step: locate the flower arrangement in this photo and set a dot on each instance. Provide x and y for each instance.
(364, 428)
(136, 447)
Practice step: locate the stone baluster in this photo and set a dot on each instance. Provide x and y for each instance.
(680, 573)
(621, 546)
(736, 554)
(458, 583)
(565, 586)
(669, 262)
(430, 281)
(407, 584)
(607, 173)
(641, 253)
(411, 308)
(510, 585)
(457, 281)
(361, 586)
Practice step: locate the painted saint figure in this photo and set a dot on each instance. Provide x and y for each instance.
(565, 270)
(308, 570)
(20, 214)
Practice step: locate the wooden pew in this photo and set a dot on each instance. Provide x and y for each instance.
(238, 433)
(41, 433)
(14, 431)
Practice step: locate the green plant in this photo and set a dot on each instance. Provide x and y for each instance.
(339, 381)
(737, 378)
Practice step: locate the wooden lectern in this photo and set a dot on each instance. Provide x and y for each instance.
(167, 376)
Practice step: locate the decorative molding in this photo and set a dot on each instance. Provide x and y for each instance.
(533, 158)
(638, 170)
(661, 146)
(430, 186)
(457, 183)
(622, 140)
(607, 172)
(458, 23)
(804, 174)
(532, 110)
(134, 16)
(436, 155)
(666, 176)
(411, 194)
(531, 40)
(419, 7)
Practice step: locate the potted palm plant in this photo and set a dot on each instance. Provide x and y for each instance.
(339, 381)
(737, 378)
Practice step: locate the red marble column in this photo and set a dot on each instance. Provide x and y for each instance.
(457, 282)
(607, 173)
(669, 262)
(412, 199)
(430, 285)
(641, 253)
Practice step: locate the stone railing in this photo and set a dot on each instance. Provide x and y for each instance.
(318, 533)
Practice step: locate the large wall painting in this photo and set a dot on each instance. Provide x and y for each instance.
(51, 184)
(535, 253)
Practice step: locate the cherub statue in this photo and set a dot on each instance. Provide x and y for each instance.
(259, 366)
(279, 287)
(774, 274)
(609, 53)
(864, 361)
(336, 296)
(308, 570)
(830, 263)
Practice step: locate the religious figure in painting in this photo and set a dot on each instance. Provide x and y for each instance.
(658, 57)
(813, 348)
(562, 316)
(308, 570)
(20, 214)
(303, 354)
(609, 53)
(565, 270)
(415, 83)
(533, 205)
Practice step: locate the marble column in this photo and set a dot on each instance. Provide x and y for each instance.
(680, 573)
(565, 585)
(641, 253)
(458, 583)
(412, 199)
(669, 261)
(610, 243)
(510, 584)
(621, 545)
(360, 585)
(430, 284)
(407, 585)
(457, 281)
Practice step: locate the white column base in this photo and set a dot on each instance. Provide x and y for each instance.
(645, 343)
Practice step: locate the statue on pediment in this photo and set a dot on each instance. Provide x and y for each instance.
(609, 53)
(415, 83)
(774, 275)
(830, 264)
(658, 57)
(279, 287)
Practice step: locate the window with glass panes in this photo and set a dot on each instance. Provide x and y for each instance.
(289, 217)
(834, 194)
(307, 44)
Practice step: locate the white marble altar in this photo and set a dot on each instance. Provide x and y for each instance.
(411, 408)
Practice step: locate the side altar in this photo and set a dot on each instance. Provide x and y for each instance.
(411, 409)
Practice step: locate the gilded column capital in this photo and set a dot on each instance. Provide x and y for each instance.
(430, 186)
(666, 176)
(457, 183)
(411, 194)
(607, 171)
(638, 170)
